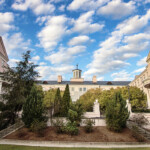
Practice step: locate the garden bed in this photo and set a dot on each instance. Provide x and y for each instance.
(100, 134)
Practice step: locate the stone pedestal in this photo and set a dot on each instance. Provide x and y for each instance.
(95, 113)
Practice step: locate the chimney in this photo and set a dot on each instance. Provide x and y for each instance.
(94, 79)
(59, 79)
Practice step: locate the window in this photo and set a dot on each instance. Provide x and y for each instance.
(72, 89)
(84, 89)
(80, 89)
(109, 83)
(3, 62)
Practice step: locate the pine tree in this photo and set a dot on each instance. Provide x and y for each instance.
(17, 83)
(65, 104)
(33, 108)
(116, 113)
(57, 102)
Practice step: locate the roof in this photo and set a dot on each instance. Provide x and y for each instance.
(3, 50)
(117, 83)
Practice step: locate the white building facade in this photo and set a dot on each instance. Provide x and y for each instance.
(78, 86)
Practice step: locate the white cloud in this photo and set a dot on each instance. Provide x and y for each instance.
(65, 55)
(84, 24)
(42, 19)
(133, 24)
(142, 62)
(117, 9)
(52, 33)
(139, 70)
(100, 79)
(79, 40)
(86, 4)
(42, 63)
(122, 76)
(12, 62)
(62, 8)
(6, 22)
(147, 1)
(2, 2)
(125, 42)
(35, 59)
(15, 44)
(51, 73)
(39, 7)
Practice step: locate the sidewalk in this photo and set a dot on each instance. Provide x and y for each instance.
(74, 144)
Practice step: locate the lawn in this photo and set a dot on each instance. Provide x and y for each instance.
(13, 147)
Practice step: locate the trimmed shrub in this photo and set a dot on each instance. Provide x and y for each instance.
(71, 128)
(59, 125)
(38, 127)
(89, 125)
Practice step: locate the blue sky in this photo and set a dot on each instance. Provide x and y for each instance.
(107, 38)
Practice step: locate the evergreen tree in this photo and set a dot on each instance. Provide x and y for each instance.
(116, 113)
(17, 83)
(65, 104)
(33, 109)
(57, 102)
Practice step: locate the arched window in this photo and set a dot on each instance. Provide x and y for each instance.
(109, 83)
(45, 82)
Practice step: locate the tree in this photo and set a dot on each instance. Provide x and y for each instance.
(57, 102)
(65, 103)
(33, 109)
(87, 99)
(137, 98)
(17, 83)
(116, 113)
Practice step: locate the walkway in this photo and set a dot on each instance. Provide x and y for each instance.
(73, 144)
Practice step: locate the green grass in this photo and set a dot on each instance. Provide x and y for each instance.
(13, 147)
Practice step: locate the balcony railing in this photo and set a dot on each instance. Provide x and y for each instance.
(146, 82)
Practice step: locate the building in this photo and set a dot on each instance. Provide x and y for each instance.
(142, 81)
(3, 59)
(78, 86)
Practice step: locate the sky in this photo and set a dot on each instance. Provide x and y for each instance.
(106, 38)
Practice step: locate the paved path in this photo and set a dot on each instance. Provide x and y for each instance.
(73, 144)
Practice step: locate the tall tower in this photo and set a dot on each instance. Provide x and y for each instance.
(77, 75)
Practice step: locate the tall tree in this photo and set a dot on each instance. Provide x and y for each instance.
(57, 102)
(33, 108)
(17, 83)
(116, 113)
(65, 103)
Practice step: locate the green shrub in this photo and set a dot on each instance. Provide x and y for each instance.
(38, 127)
(72, 115)
(59, 125)
(89, 125)
(71, 128)
(116, 113)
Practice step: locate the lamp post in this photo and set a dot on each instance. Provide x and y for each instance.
(129, 92)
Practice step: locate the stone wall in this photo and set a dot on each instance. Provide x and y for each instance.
(98, 121)
(11, 129)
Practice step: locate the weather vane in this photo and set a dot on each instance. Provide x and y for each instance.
(77, 66)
